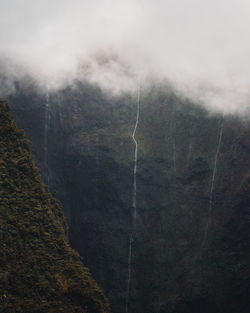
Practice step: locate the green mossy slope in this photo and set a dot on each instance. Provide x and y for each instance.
(39, 272)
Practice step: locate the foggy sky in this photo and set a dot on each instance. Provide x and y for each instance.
(200, 46)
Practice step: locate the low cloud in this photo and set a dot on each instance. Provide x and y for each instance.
(201, 47)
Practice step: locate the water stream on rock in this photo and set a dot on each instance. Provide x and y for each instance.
(174, 145)
(213, 181)
(134, 202)
(97, 165)
(46, 137)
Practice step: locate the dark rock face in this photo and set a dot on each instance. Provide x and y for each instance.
(39, 270)
(176, 266)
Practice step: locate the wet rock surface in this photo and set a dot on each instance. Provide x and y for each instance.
(90, 163)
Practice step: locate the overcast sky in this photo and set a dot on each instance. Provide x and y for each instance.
(201, 46)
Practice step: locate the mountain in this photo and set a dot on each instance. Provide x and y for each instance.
(191, 251)
(39, 270)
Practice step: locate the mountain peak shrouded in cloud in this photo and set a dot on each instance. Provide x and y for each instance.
(200, 47)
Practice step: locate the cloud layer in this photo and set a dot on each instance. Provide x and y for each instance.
(201, 47)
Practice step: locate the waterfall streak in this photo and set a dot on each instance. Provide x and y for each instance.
(135, 161)
(174, 156)
(174, 144)
(46, 135)
(213, 180)
(129, 271)
(134, 203)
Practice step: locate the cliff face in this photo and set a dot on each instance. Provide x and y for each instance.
(191, 250)
(39, 271)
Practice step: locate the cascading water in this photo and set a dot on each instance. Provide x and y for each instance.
(174, 146)
(46, 137)
(174, 156)
(97, 162)
(134, 202)
(213, 181)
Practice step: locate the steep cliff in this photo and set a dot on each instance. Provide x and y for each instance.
(39, 270)
(191, 250)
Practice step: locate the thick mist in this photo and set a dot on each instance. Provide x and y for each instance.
(200, 47)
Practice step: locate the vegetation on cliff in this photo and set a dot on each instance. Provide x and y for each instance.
(39, 272)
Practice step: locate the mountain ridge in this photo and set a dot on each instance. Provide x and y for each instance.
(39, 270)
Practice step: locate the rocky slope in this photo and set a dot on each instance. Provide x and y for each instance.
(191, 252)
(39, 270)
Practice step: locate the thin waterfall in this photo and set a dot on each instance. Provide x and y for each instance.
(174, 144)
(97, 164)
(174, 156)
(46, 137)
(213, 181)
(134, 202)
